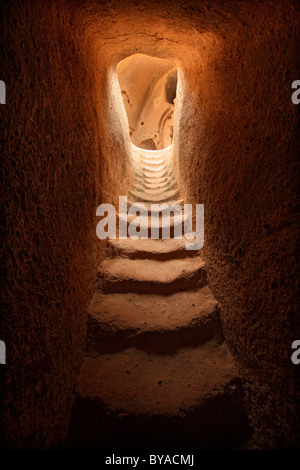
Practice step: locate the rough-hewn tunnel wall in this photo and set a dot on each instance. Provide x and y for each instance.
(115, 167)
(244, 171)
(51, 172)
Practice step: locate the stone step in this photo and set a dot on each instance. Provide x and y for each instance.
(163, 197)
(185, 400)
(166, 226)
(151, 276)
(154, 189)
(159, 174)
(150, 159)
(157, 156)
(154, 162)
(153, 323)
(164, 179)
(141, 185)
(154, 169)
(154, 153)
(167, 184)
(131, 202)
(149, 249)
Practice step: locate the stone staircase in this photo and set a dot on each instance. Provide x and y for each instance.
(157, 372)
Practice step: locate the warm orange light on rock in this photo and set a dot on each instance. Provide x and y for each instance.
(148, 86)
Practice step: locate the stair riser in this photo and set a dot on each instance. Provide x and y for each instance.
(207, 426)
(153, 163)
(114, 284)
(162, 233)
(154, 169)
(116, 252)
(103, 340)
(148, 204)
(149, 180)
(167, 186)
(164, 177)
(153, 175)
(142, 187)
(155, 200)
(153, 192)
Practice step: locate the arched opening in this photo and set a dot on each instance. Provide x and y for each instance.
(148, 87)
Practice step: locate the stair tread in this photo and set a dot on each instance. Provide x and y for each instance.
(155, 191)
(163, 197)
(154, 181)
(152, 312)
(150, 270)
(158, 186)
(145, 221)
(150, 248)
(138, 383)
(146, 192)
(156, 161)
(153, 168)
(151, 175)
(151, 276)
(155, 187)
(148, 204)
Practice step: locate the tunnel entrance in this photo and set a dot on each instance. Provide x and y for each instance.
(148, 87)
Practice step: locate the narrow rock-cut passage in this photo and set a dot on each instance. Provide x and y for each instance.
(157, 370)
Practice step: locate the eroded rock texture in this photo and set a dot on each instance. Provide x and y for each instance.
(148, 86)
